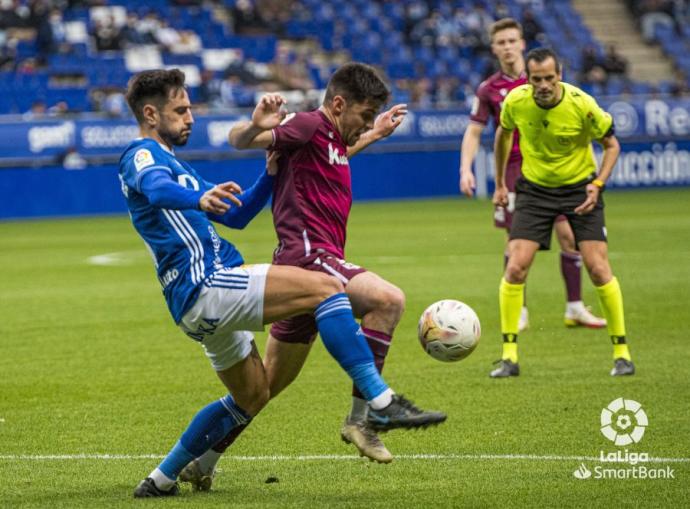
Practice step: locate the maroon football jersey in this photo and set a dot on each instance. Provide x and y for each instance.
(487, 104)
(312, 193)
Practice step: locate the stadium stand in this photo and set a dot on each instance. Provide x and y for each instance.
(76, 56)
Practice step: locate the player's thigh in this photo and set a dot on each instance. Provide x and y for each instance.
(291, 291)
(247, 382)
(564, 234)
(369, 291)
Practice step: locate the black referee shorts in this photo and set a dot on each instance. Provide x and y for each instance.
(536, 208)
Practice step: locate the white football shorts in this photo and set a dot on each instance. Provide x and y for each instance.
(230, 304)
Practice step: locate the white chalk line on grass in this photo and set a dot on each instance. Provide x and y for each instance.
(328, 457)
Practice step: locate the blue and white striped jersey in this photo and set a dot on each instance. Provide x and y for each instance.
(184, 244)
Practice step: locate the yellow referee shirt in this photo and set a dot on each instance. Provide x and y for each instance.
(556, 143)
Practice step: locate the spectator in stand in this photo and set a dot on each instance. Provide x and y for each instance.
(289, 69)
(210, 90)
(415, 12)
(446, 92)
(614, 63)
(50, 36)
(131, 34)
(421, 94)
(228, 90)
(148, 26)
(425, 31)
(188, 43)
(107, 34)
(532, 29)
(592, 67)
(8, 52)
(14, 15)
(166, 36)
(247, 18)
(37, 111)
(114, 103)
(478, 22)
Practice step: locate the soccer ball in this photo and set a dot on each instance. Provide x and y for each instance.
(449, 330)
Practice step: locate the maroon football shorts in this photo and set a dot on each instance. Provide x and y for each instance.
(302, 328)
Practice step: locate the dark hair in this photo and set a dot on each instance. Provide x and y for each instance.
(152, 87)
(541, 54)
(503, 24)
(357, 83)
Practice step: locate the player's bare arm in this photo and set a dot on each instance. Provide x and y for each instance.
(272, 162)
(611, 151)
(212, 200)
(503, 142)
(256, 133)
(384, 125)
(468, 151)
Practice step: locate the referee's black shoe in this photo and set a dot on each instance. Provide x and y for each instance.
(622, 367)
(505, 369)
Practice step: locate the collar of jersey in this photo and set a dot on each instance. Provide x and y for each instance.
(169, 151)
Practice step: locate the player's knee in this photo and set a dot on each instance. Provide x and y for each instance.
(516, 272)
(253, 399)
(600, 272)
(391, 301)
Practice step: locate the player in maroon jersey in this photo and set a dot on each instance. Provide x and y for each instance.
(508, 45)
(311, 203)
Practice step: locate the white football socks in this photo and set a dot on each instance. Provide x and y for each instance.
(382, 400)
(162, 481)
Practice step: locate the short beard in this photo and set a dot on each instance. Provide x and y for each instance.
(176, 140)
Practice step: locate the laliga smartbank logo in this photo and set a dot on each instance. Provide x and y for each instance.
(623, 422)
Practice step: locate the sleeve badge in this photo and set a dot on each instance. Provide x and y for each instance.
(142, 159)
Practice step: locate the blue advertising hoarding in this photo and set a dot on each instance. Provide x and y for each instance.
(636, 120)
(420, 160)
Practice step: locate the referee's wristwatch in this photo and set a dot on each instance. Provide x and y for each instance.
(599, 183)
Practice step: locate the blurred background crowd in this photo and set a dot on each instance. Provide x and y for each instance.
(60, 57)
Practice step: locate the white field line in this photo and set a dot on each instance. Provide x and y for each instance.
(329, 457)
(118, 258)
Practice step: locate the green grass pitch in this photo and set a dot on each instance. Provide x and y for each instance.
(91, 364)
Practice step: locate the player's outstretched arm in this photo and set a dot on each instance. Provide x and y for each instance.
(253, 199)
(256, 133)
(163, 192)
(384, 125)
(503, 142)
(468, 151)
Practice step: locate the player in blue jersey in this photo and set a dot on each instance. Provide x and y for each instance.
(216, 299)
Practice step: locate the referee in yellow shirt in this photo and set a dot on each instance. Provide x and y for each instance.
(557, 123)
